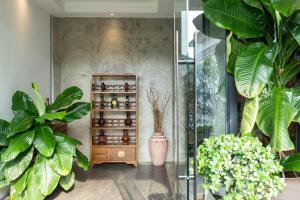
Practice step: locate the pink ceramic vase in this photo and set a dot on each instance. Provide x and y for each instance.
(158, 145)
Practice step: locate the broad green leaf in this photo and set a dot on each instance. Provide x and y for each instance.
(236, 16)
(249, 115)
(235, 48)
(291, 163)
(51, 117)
(275, 114)
(22, 121)
(66, 182)
(296, 33)
(66, 98)
(15, 168)
(68, 139)
(62, 159)
(39, 100)
(255, 3)
(44, 141)
(17, 145)
(20, 184)
(4, 183)
(82, 160)
(4, 130)
(32, 192)
(22, 102)
(253, 68)
(47, 178)
(296, 104)
(286, 7)
(77, 111)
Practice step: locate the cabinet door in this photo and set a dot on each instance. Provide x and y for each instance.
(121, 154)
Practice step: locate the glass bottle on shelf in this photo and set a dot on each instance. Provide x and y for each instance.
(103, 87)
(114, 103)
(127, 104)
(126, 87)
(128, 121)
(102, 102)
(102, 137)
(101, 120)
(125, 137)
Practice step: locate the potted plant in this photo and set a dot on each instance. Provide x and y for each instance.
(4, 127)
(239, 168)
(36, 159)
(158, 143)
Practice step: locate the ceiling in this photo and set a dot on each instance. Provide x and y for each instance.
(109, 8)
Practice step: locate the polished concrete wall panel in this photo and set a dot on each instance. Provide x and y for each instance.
(84, 46)
(24, 51)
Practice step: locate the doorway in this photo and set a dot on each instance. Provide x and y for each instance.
(203, 91)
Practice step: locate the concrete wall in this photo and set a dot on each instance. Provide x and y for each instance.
(24, 50)
(83, 46)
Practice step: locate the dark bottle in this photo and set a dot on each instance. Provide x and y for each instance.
(102, 137)
(101, 120)
(102, 103)
(126, 87)
(93, 87)
(103, 87)
(127, 104)
(128, 121)
(125, 137)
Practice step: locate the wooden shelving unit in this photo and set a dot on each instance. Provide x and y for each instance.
(111, 123)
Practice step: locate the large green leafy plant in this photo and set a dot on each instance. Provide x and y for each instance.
(240, 166)
(34, 159)
(263, 57)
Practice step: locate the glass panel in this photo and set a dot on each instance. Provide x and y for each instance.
(210, 47)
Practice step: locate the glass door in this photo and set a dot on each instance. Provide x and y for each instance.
(200, 88)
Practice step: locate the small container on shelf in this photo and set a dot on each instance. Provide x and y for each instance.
(103, 87)
(102, 137)
(114, 103)
(101, 121)
(125, 137)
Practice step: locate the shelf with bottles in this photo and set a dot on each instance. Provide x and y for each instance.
(121, 103)
(102, 137)
(114, 86)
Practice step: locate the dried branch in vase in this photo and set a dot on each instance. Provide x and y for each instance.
(158, 109)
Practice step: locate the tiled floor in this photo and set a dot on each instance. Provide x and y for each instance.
(121, 182)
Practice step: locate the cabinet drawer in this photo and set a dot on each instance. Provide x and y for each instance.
(100, 154)
(121, 154)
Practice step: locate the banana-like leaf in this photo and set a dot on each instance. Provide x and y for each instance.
(77, 111)
(33, 192)
(18, 186)
(4, 130)
(39, 100)
(286, 7)
(47, 178)
(249, 115)
(253, 68)
(15, 168)
(66, 182)
(236, 16)
(22, 102)
(296, 104)
(275, 114)
(62, 160)
(291, 163)
(44, 141)
(51, 117)
(68, 139)
(17, 145)
(22, 121)
(66, 98)
(255, 3)
(235, 48)
(82, 160)
(296, 33)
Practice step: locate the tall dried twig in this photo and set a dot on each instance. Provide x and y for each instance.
(158, 111)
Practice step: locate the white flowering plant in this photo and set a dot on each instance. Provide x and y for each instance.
(241, 166)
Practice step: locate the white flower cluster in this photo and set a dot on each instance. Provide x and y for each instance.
(240, 165)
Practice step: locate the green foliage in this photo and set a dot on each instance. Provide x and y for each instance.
(34, 159)
(291, 162)
(264, 53)
(241, 165)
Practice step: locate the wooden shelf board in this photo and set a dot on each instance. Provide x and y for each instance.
(113, 128)
(120, 110)
(114, 145)
(95, 92)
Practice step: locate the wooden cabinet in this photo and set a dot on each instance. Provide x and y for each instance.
(114, 119)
